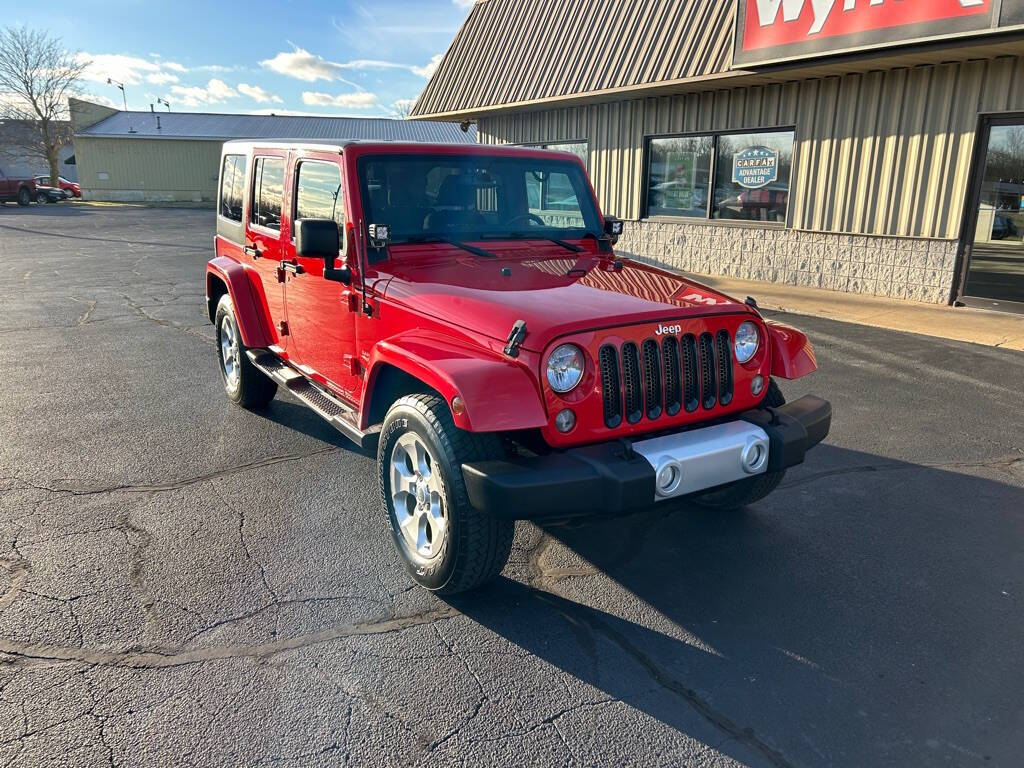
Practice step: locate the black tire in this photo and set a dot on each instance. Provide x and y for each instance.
(745, 492)
(42, 198)
(24, 197)
(476, 545)
(250, 388)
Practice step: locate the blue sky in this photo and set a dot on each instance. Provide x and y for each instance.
(312, 57)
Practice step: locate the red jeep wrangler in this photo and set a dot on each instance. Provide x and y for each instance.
(462, 310)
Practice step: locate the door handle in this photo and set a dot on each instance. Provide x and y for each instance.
(251, 250)
(292, 266)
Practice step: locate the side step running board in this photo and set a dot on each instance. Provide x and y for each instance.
(339, 415)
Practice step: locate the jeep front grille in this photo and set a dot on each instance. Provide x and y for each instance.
(655, 380)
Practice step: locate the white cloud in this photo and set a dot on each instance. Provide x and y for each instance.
(463, 3)
(257, 94)
(303, 65)
(161, 78)
(430, 68)
(173, 65)
(215, 92)
(309, 67)
(129, 70)
(361, 100)
(219, 90)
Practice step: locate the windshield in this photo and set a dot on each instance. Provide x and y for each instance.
(424, 197)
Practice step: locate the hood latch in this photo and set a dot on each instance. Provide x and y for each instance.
(515, 338)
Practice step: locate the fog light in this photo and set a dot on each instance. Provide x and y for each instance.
(669, 477)
(755, 456)
(565, 421)
(757, 385)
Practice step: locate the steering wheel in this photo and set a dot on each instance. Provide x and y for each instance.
(528, 217)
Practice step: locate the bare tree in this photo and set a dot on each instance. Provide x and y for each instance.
(37, 74)
(402, 108)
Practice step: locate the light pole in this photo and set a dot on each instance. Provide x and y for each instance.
(124, 100)
(165, 103)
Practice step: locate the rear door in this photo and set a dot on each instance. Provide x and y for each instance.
(320, 316)
(263, 235)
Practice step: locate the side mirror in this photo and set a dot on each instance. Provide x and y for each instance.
(613, 228)
(320, 239)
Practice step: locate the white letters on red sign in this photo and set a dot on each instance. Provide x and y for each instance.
(768, 10)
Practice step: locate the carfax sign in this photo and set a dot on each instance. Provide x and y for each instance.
(777, 30)
(755, 167)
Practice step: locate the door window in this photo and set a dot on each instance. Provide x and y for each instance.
(996, 269)
(318, 192)
(267, 192)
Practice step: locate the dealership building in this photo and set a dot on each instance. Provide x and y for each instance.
(867, 146)
(164, 157)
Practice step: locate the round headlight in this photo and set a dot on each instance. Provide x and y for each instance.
(565, 368)
(747, 341)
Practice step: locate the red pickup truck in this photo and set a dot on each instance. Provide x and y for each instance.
(461, 310)
(15, 190)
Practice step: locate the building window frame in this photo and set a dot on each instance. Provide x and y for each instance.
(712, 172)
(553, 146)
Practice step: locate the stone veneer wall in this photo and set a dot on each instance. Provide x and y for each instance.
(898, 268)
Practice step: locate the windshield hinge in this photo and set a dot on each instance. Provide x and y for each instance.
(515, 338)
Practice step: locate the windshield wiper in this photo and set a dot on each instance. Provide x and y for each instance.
(448, 241)
(528, 236)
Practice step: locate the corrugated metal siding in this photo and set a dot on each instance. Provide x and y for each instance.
(881, 153)
(148, 169)
(515, 51)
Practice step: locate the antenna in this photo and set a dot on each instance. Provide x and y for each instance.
(124, 100)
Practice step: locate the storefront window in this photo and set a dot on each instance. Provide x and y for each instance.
(578, 148)
(752, 176)
(679, 172)
(746, 175)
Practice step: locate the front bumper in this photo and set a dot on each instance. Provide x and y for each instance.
(621, 477)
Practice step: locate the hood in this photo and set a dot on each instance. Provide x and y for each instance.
(556, 294)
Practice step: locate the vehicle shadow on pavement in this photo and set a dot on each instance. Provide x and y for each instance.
(301, 419)
(867, 613)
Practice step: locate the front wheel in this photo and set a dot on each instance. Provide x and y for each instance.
(24, 196)
(42, 198)
(744, 492)
(245, 384)
(447, 546)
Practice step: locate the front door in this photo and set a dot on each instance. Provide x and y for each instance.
(263, 236)
(320, 317)
(994, 275)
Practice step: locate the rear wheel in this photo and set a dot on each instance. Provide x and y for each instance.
(244, 383)
(42, 198)
(24, 196)
(447, 546)
(744, 492)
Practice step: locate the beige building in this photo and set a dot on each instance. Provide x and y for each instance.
(175, 156)
(870, 147)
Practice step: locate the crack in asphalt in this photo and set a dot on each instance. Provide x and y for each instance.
(173, 485)
(39, 652)
(66, 236)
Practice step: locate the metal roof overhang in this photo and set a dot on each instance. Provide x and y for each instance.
(964, 47)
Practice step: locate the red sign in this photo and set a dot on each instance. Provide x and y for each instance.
(777, 29)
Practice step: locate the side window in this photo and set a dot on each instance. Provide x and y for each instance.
(318, 192)
(267, 192)
(232, 182)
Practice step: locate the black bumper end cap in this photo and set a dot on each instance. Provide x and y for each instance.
(792, 429)
(593, 479)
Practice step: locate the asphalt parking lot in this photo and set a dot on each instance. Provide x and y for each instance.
(186, 583)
